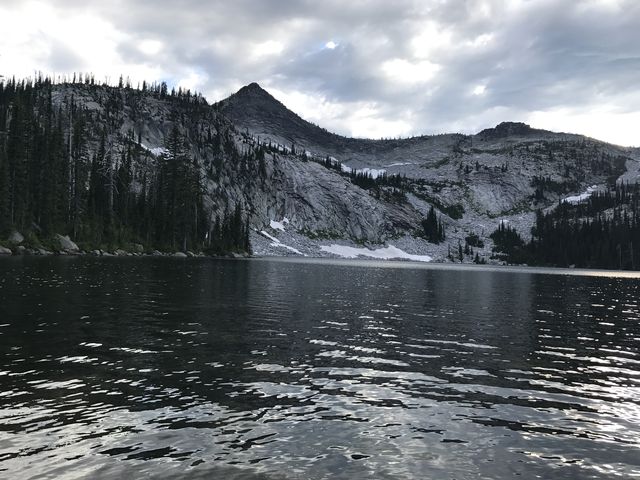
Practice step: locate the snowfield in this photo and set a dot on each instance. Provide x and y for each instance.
(386, 253)
(155, 151)
(582, 197)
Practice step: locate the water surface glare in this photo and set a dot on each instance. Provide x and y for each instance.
(198, 368)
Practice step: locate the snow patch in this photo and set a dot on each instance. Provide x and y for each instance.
(386, 253)
(374, 172)
(291, 249)
(277, 243)
(155, 151)
(582, 197)
(279, 225)
(273, 239)
(398, 164)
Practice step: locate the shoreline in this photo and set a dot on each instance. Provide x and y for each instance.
(118, 253)
(359, 262)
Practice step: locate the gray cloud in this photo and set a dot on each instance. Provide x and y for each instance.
(518, 56)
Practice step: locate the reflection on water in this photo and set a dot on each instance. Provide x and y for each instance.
(173, 368)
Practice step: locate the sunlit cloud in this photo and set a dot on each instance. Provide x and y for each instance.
(268, 48)
(479, 89)
(433, 38)
(194, 81)
(368, 121)
(150, 47)
(401, 70)
(618, 128)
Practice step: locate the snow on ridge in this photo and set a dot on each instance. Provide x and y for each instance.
(345, 169)
(583, 196)
(385, 253)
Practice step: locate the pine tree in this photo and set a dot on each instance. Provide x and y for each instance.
(433, 228)
(5, 210)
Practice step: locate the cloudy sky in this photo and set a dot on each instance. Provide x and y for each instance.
(359, 67)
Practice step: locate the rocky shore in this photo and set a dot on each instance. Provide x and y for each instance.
(17, 245)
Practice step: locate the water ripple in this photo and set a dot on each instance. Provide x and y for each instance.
(206, 369)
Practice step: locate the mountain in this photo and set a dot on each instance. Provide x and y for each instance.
(254, 108)
(504, 173)
(166, 170)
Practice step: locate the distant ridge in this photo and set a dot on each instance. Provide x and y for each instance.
(509, 129)
(254, 108)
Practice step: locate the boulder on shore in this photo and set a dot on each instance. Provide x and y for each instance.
(16, 238)
(66, 244)
(4, 250)
(180, 255)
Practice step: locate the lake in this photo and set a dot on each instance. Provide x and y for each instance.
(283, 369)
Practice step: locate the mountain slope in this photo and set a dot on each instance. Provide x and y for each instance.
(503, 172)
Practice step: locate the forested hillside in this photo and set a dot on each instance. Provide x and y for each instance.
(70, 166)
(601, 231)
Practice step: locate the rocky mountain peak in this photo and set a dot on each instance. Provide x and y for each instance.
(254, 108)
(252, 98)
(252, 88)
(508, 129)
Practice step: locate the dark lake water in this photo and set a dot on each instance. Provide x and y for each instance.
(198, 368)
